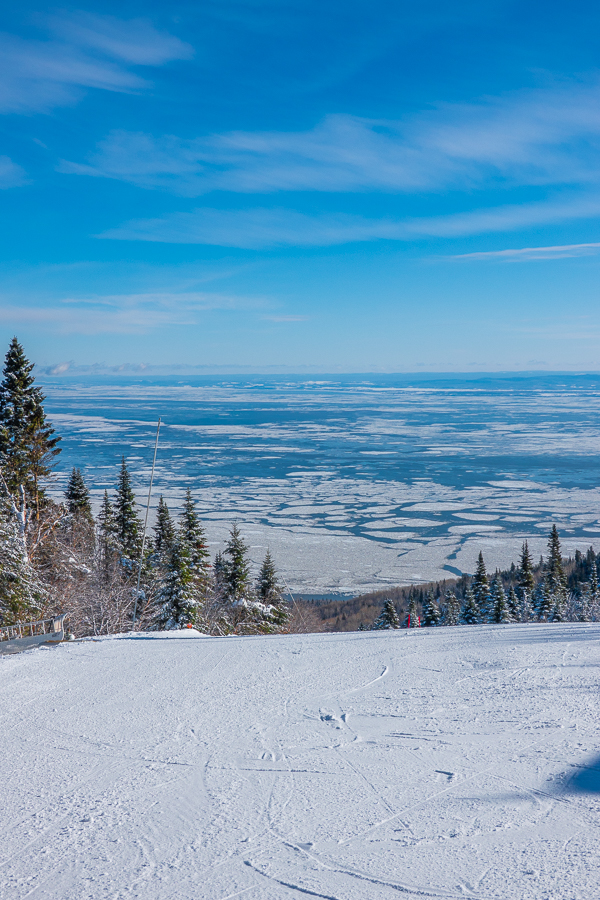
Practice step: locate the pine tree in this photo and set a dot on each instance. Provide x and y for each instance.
(513, 605)
(28, 444)
(191, 531)
(128, 527)
(431, 612)
(236, 569)
(269, 593)
(481, 587)
(556, 582)
(470, 612)
(412, 617)
(387, 618)
(20, 591)
(107, 530)
(176, 600)
(543, 602)
(164, 531)
(268, 589)
(526, 609)
(526, 577)
(452, 611)
(499, 611)
(77, 496)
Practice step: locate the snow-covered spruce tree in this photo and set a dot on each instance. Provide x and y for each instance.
(543, 602)
(20, 591)
(481, 588)
(192, 532)
(555, 579)
(236, 568)
(514, 605)
(387, 618)
(526, 576)
(270, 594)
(470, 611)
(128, 526)
(245, 613)
(176, 600)
(499, 612)
(412, 616)
(526, 609)
(431, 611)
(77, 496)
(593, 592)
(107, 535)
(452, 610)
(28, 443)
(164, 532)
(584, 605)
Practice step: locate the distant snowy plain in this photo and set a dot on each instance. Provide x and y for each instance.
(443, 763)
(353, 484)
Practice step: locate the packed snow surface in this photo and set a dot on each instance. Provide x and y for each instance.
(450, 762)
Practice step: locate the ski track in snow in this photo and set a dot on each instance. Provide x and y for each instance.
(441, 763)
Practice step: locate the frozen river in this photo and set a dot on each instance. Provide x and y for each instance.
(353, 482)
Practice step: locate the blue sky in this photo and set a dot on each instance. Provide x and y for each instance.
(337, 186)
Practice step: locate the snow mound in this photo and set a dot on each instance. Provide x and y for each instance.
(447, 763)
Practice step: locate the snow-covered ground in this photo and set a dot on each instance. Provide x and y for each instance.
(451, 762)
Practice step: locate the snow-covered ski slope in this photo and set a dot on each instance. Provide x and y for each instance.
(451, 762)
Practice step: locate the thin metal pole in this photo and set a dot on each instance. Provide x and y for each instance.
(137, 590)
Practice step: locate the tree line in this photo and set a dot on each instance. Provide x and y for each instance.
(524, 593)
(56, 556)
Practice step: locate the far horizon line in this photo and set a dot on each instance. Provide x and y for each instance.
(66, 371)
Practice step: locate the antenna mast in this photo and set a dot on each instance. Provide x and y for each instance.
(137, 590)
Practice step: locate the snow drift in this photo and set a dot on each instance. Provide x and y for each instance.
(450, 762)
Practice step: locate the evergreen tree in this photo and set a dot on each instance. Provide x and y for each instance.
(164, 530)
(219, 569)
(452, 611)
(431, 612)
(412, 617)
(555, 575)
(236, 568)
(77, 496)
(556, 582)
(128, 526)
(499, 611)
(481, 587)
(191, 531)
(20, 591)
(585, 605)
(107, 530)
(176, 600)
(269, 593)
(28, 444)
(268, 589)
(543, 602)
(513, 605)
(470, 611)
(594, 592)
(526, 577)
(387, 618)
(526, 610)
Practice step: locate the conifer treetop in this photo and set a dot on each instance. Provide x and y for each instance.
(28, 443)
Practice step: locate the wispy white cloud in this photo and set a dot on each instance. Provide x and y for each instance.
(11, 175)
(86, 51)
(261, 228)
(254, 228)
(564, 251)
(544, 136)
(123, 313)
